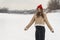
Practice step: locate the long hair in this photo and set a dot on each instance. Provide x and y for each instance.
(38, 14)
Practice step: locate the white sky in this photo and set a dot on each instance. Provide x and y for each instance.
(22, 4)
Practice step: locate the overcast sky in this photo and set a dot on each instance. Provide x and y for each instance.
(22, 4)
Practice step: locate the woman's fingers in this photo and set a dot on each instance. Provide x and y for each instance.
(25, 29)
(52, 31)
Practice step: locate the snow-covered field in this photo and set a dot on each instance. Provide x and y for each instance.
(12, 27)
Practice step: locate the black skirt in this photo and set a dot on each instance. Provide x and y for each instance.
(40, 33)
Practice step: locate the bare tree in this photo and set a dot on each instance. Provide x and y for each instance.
(53, 4)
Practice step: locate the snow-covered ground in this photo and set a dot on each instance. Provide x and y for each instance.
(12, 27)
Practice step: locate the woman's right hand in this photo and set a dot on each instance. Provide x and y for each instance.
(26, 29)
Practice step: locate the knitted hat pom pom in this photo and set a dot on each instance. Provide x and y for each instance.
(39, 6)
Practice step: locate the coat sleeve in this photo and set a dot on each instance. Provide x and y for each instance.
(47, 22)
(31, 21)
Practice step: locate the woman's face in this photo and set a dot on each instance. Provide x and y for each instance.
(38, 10)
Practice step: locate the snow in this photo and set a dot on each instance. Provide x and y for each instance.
(12, 27)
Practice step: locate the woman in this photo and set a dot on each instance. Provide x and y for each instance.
(40, 19)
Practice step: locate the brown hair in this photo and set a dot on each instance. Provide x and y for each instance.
(38, 13)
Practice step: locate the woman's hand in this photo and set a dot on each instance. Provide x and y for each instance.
(26, 29)
(52, 31)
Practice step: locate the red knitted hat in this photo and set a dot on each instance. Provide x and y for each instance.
(39, 6)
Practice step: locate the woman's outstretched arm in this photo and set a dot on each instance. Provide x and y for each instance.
(30, 23)
(47, 22)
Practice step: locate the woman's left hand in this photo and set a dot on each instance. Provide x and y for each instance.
(52, 31)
